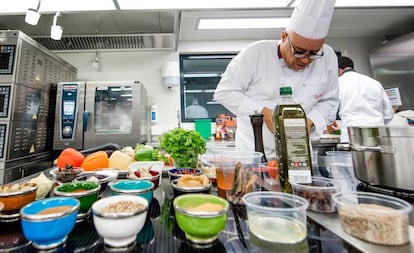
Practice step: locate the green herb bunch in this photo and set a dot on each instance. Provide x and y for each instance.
(184, 146)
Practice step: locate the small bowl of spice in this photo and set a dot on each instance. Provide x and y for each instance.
(137, 187)
(121, 211)
(86, 192)
(15, 196)
(47, 222)
(374, 217)
(66, 174)
(176, 173)
(191, 184)
(145, 173)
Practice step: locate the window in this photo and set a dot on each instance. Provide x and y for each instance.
(200, 75)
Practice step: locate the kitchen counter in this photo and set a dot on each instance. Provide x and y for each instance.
(161, 234)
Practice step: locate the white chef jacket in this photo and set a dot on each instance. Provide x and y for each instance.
(252, 81)
(362, 102)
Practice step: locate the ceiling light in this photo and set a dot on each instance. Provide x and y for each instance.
(33, 15)
(242, 23)
(20, 6)
(56, 30)
(373, 3)
(210, 4)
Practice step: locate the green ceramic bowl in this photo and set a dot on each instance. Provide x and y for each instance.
(86, 192)
(200, 226)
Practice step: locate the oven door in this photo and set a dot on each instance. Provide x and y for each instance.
(113, 113)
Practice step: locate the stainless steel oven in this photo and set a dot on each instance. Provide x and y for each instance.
(89, 114)
(28, 76)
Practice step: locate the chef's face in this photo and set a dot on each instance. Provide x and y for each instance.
(298, 52)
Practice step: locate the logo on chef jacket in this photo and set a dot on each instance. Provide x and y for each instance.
(317, 96)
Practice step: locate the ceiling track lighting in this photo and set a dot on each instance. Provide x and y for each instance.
(56, 30)
(33, 15)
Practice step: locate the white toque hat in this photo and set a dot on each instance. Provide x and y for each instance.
(311, 18)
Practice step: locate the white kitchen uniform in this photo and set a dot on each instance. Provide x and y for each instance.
(252, 81)
(363, 102)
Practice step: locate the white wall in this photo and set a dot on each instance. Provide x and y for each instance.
(146, 67)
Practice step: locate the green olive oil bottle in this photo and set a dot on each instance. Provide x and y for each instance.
(292, 141)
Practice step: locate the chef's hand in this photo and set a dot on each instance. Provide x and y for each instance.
(268, 118)
(333, 127)
(310, 125)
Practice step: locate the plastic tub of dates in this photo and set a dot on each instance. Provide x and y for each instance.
(374, 217)
(318, 193)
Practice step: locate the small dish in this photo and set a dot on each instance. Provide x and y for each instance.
(201, 216)
(139, 187)
(151, 175)
(121, 211)
(64, 176)
(179, 190)
(48, 222)
(176, 173)
(103, 180)
(15, 196)
(86, 192)
(110, 172)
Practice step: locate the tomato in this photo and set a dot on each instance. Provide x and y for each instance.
(272, 169)
(272, 163)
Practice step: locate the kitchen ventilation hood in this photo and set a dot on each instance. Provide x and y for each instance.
(157, 41)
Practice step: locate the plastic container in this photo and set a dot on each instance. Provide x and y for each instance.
(340, 167)
(276, 219)
(203, 126)
(318, 194)
(225, 173)
(374, 217)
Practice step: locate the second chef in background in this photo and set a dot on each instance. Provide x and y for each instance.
(300, 60)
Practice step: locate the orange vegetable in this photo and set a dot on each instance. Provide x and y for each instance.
(70, 156)
(96, 160)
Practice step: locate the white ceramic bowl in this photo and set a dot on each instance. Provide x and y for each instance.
(119, 229)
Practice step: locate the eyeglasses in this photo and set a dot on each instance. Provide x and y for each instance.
(300, 55)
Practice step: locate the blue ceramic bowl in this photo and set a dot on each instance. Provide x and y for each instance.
(141, 188)
(49, 230)
(176, 173)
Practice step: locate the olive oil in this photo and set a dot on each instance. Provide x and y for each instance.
(292, 141)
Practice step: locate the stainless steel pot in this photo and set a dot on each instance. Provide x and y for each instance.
(383, 156)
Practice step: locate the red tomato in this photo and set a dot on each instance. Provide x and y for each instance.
(272, 163)
(272, 169)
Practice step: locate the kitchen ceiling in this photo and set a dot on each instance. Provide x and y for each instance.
(149, 30)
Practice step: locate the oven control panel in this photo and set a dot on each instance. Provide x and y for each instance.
(7, 55)
(68, 111)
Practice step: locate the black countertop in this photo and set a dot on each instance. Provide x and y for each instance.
(161, 234)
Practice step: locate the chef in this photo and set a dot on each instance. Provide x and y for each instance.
(300, 59)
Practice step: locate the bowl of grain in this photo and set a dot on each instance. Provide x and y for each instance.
(374, 217)
(15, 196)
(125, 212)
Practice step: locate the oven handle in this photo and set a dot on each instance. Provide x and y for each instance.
(85, 120)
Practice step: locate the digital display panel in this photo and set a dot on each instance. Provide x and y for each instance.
(6, 59)
(68, 108)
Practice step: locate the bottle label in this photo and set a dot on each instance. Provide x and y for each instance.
(299, 169)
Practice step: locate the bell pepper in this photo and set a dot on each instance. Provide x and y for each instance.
(70, 156)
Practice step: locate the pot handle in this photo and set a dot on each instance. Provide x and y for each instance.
(381, 149)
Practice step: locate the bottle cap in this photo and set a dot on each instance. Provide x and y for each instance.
(287, 90)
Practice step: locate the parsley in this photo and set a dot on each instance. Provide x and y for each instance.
(184, 146)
